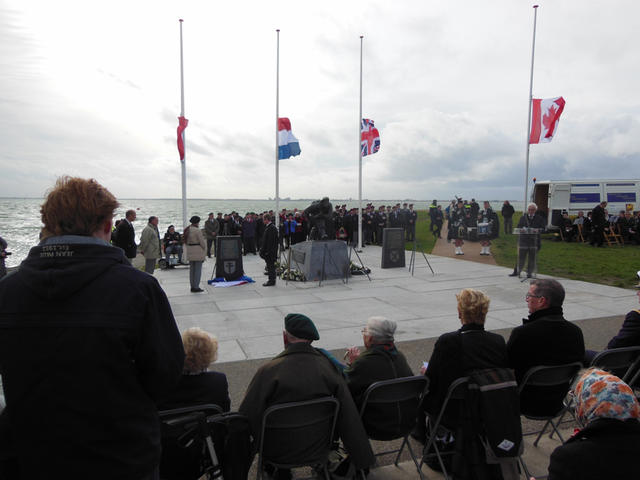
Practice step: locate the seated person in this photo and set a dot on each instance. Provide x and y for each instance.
(172, 243)
(568, 228)
(544, 338)
(197, 385)
(380, 361)
(608, 443)
(458, 353)
(299, 373)
(628, 336)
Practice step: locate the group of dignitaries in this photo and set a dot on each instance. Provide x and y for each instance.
(598, 223)
(294, 227)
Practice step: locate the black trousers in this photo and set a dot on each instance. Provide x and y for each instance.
(508, 225)
(271, 269)
(411, 232)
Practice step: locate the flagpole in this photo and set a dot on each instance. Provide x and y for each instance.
(526, 170)
(183, 163)
(360, 157)
(277, 212)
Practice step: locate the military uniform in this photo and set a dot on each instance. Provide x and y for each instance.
(412, 219)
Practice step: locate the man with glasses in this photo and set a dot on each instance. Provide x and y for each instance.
(544, 338)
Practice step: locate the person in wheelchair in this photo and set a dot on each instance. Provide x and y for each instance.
(172, 243)
(197, 386)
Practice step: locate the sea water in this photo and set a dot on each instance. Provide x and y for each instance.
(20, 217)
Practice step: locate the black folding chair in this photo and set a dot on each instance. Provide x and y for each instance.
(622, 362)
(298, 434)
(403, 396)
(185, 431)
(550, 376)
(456, 391)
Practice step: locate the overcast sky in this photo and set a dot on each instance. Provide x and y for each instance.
(93, 89)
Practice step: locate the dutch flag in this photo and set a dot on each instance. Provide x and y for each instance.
(288, 145)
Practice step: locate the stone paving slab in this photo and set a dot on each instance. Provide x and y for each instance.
(248, 319)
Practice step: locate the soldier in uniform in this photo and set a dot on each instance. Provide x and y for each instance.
(381, 223)
(404, 215)
(432, 213)
(412, 219)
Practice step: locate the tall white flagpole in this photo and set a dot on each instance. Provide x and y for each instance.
(526, 170)
(360, 157)
(183, 163)
(277, 212)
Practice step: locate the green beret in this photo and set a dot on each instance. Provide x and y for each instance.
(300, 326)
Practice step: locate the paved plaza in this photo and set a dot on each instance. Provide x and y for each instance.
(248, 319)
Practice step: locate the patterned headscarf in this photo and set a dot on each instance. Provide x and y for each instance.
(599, 394)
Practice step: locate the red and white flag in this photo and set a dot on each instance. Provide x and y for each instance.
(544, 118)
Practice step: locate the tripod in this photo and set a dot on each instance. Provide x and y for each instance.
(412, 262)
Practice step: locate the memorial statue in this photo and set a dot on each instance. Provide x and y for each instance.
(319, 214)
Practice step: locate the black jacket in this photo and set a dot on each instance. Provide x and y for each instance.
(507, 211)
(455, 355)
(125, 238)
(87, 345)
(629, 334)
(201, 389)
(527, 239)
(373, 365)
(545, 338)
(606, 448)
(269, 246)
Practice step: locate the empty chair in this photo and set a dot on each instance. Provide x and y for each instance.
(556, 378)
(622, 362)
(398, 399)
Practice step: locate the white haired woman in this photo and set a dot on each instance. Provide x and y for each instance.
(197, 386)
(380, 360)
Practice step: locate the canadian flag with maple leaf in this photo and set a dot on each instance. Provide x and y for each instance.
(544, 118)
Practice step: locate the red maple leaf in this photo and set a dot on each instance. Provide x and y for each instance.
(549, 118)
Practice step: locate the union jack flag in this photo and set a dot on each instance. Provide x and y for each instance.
(369, 137)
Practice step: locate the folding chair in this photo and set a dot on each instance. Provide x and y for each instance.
(616, 232)
(622, 362)
(550, 376)
(184, 433)
(456, 391)
(580, 235)
(404, 396)
(298, 434)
